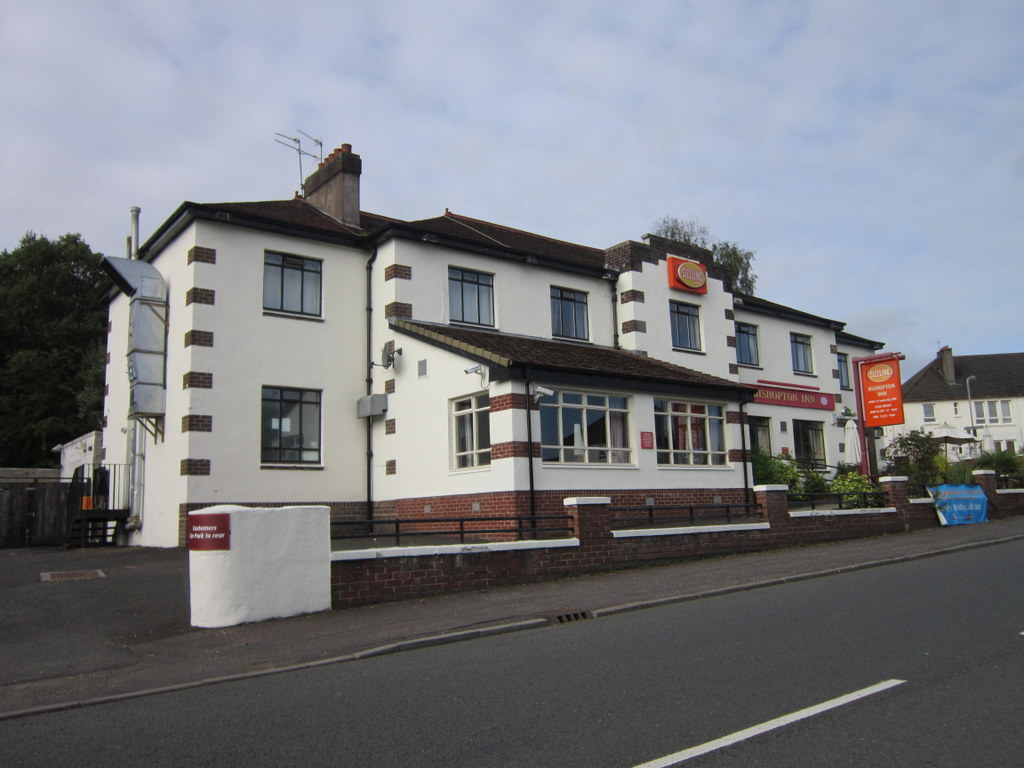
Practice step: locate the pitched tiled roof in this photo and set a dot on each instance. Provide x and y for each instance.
(510, 351)
(296, 212)
(505, 238)
(999, 375)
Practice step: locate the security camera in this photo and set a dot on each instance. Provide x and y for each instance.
(474, 369)
(539, 392)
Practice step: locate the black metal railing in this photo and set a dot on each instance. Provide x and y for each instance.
(450, 530)
(685, 515)
(847, 500)
(98, 503)
(1007, 482)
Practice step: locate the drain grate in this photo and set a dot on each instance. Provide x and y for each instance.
(71, 575)
(565, 618)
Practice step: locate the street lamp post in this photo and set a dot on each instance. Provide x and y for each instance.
(970, 405)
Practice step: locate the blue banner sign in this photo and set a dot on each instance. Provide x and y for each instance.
(959, 504)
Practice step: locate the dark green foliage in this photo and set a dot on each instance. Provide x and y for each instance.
(775, 470)
(1003, 462)
(813, 482)
(52, 327)
(914, 455)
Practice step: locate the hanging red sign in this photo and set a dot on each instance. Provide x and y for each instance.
(687, 275)
(796, 398)
(881, 392)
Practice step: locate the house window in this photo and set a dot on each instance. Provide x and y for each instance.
(992, 412)
(760, 434)
(844, 371)
(685, 320)
(290, 426)
(470, 296)
(1009, 446)
(689, 433)
(568, 313)
(579, 428)
(746, 344)
(800, 346)
(471, 427)
(809, 439)
(929, 413)
(291, 284)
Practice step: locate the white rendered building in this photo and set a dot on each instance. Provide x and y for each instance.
(303, 351)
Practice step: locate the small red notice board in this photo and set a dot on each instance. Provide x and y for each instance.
(211, 530)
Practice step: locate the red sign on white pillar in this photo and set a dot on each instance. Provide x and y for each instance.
(209, 531)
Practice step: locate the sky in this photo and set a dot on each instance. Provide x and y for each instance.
(870, 152)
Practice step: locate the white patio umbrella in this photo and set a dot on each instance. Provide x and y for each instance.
(950, 435)
(852, 438)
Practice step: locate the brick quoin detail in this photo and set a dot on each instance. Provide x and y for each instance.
(195, 466)
(730, 315)
(634, 326)
(735, 417)
(736, 455)
(202, 255)
(509, 402)
(389, 387)
(734, 369)
(397, 272)
(199, 338)
(389, 426)
(391, 467)
(199, 296)
(730, 341)
(398, 309)
(513, 450)
(195, 422)
(632, 295)
(197, 380)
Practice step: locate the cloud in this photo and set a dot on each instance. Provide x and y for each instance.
(868, 151)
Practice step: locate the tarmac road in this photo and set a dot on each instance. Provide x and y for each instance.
(86, 637)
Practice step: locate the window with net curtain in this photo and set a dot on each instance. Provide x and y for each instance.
(585, 428)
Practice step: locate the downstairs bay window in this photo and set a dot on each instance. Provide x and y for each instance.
(581, 428)
(689, 434)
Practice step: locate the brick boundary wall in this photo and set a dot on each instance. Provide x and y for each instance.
(379, 579)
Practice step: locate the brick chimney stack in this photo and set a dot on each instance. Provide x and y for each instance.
(334, 186)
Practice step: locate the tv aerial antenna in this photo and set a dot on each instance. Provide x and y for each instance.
(295, 143)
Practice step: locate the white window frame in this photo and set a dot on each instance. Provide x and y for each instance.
(581, 428)
(690, 434)
(992, 412)
(928, 413)
(471, 431)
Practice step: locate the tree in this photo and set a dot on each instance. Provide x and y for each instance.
(734, 261)
(915, 455)
(52, 326)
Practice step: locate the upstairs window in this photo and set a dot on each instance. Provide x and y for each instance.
(929, 412)
(471, 427)
(291, 284)
(746, 344)
(578, 428)
(568, 313)
(800, 347)
(689, 433)
(290, 430)
(844, 371)
(992, 412)
(685, 320)
(470, 297)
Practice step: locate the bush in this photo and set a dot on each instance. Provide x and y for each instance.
(851, 482)
(1003, 462)
(813, 482)
(915, 455)
(958, 473)
(775, 470)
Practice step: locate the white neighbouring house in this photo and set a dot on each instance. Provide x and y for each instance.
(981, 395)
(305, 352)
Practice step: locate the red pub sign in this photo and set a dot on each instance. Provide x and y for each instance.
(881, 393)
(687, 275)
(796, 398)
(208, 531)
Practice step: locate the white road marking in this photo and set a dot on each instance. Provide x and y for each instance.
(779, 722)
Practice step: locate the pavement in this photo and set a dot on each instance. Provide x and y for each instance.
(85, 626)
